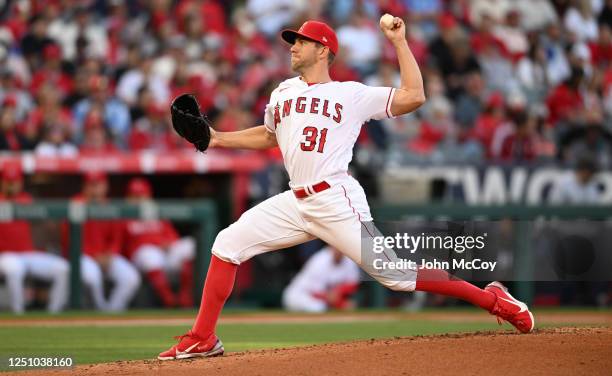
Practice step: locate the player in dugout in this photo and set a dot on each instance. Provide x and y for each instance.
(101, 256)
(156, 249)
(19, 257)
(327, 280)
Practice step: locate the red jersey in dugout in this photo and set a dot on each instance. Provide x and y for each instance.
(16, 236)
(99, 237)
(138, 233)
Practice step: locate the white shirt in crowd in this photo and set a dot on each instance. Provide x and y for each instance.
(585, 29)
(48, 149)
(362, 43)
(568, 190)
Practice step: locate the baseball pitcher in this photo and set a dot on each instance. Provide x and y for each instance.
(315, 122)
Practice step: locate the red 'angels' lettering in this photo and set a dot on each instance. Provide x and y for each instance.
(287, 107)
(277, 118)
(300, 106)
(338, 116)
(314, 107)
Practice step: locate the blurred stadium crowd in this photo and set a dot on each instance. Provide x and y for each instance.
(514, 81)
(507, 81)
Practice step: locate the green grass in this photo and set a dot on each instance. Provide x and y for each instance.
(94, 344)
(103, 344)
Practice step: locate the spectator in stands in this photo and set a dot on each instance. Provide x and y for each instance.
(577, 187)
(558, 68)
(35, 40)
(143, 76)
(520, 144)
(512, 35)
(531, 72)
(361, 39)
(601, 49)
(327, 281)
(536, 14)
(11, 85)
(10, 137)
(153, 131)
(48, 111)
(580, 20)
(436, 125)
(449, 54)
(76, 23)
(55, 142)
(272, 16)
(101, 257)
(487, 123)
(19, 257)
(115, 113)
(51, 72)
(565, 103)
(95, 138)
(605, 17)
(497, 69)
(424, 14)
(155, 248)
(593, 140)
(497, 9)
(470, 104)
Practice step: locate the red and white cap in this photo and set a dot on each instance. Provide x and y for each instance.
(95, 177)
(316, 31)
(139, 187)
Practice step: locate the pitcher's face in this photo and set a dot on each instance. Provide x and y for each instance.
(303, 54)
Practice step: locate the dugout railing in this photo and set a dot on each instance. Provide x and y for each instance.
(201, 212)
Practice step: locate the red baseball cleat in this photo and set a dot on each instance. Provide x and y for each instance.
(191, 346)
(510, 309)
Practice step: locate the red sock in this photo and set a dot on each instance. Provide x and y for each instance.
(186, 279)
(217, 288)
(440, 282)
(160, 284)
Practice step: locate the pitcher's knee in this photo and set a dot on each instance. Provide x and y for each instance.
(225, 249)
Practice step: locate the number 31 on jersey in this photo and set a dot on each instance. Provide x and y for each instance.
(312, 134)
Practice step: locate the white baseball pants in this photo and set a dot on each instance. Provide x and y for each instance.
(151, 257)
(338, 216)
(16, 266)
(121, 273)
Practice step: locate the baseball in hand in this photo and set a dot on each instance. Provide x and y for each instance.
(386, 21)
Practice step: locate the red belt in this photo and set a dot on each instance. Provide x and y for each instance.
(316, 188)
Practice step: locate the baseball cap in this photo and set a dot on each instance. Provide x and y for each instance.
(9, 101)
(12, 173)
(52, 51)
(95, 177)
(139, 187)
(314, 30)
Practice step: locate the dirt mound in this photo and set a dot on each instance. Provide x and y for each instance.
(560, 351)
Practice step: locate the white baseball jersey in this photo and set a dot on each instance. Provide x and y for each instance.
(320, 273)
(316, 125)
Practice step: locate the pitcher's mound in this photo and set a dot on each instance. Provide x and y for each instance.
(561, 351)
